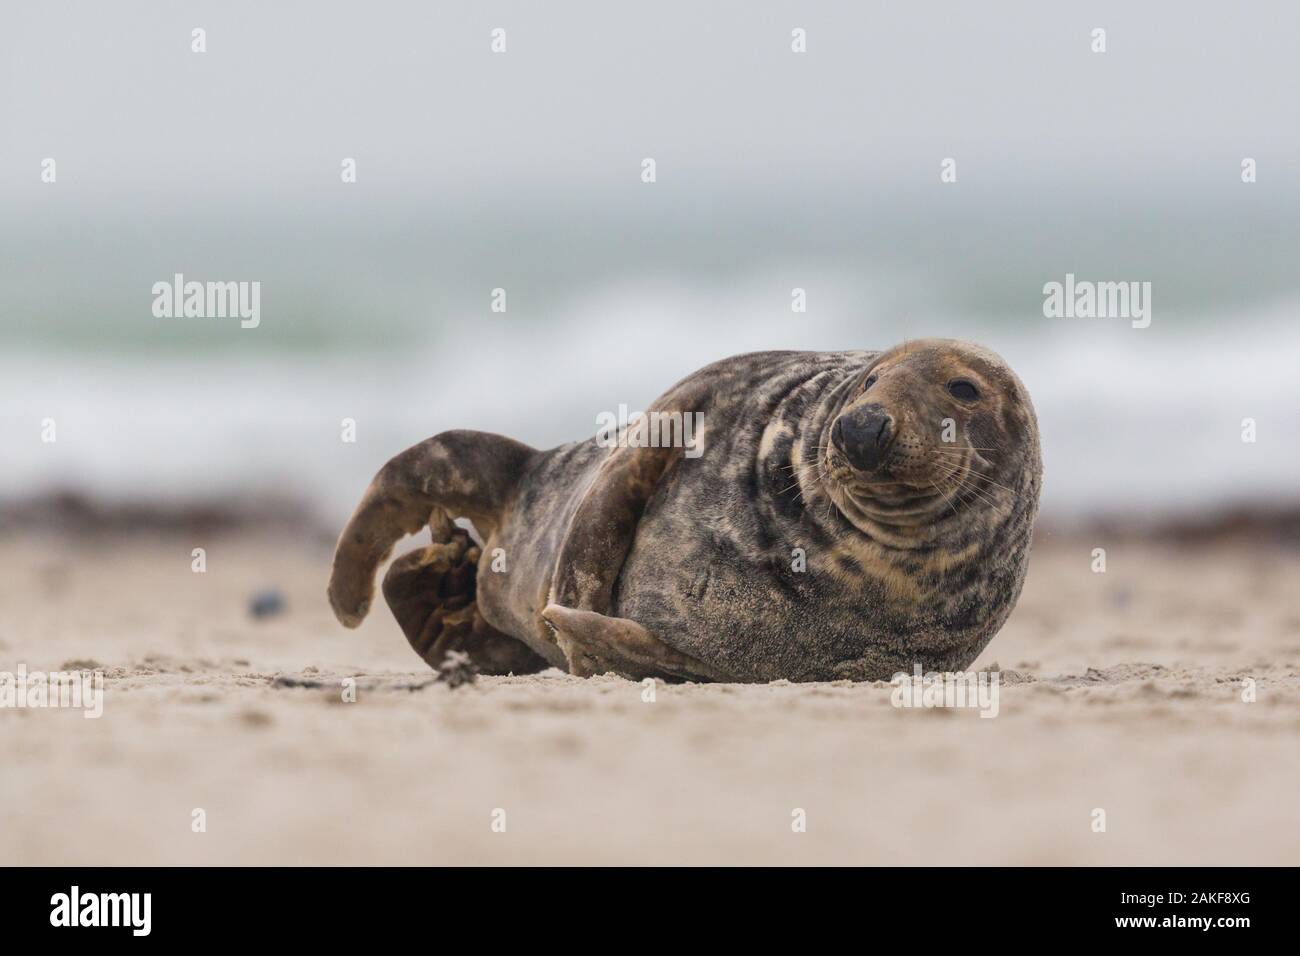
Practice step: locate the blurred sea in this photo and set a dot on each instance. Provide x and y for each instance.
(380, 313)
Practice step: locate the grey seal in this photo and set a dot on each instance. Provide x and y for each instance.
(843, 515)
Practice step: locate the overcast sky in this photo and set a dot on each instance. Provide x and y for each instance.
(711, 90)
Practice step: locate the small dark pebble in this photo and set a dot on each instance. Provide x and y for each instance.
(266, 604)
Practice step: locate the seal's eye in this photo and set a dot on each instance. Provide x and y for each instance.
(960, 388)
(871, 380)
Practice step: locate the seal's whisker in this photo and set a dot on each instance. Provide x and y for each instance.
(968, 488)
(967, 496)
(992, 481)
(952, 486)
(997, 484)
(961, 452)
(959, 479)
(804, 471)
(984, 475)
(797, 483)
(945, 498)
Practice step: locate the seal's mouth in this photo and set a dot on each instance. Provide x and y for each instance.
(881, 472)
(907, 483)
(902, 488)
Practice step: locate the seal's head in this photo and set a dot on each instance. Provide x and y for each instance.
(930, 429)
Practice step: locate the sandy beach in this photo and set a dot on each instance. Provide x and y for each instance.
(1120, 691)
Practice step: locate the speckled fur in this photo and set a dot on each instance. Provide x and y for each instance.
(921, 564)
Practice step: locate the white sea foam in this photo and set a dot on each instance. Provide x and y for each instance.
(1147, 419)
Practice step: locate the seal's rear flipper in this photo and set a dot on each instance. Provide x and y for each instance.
(432, 591)
(596, 644)
(465, 474)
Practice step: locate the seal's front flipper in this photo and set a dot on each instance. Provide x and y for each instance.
(601, 531)
(596, 644)
(596, 544)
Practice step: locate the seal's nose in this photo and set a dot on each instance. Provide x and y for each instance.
(863, 434)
